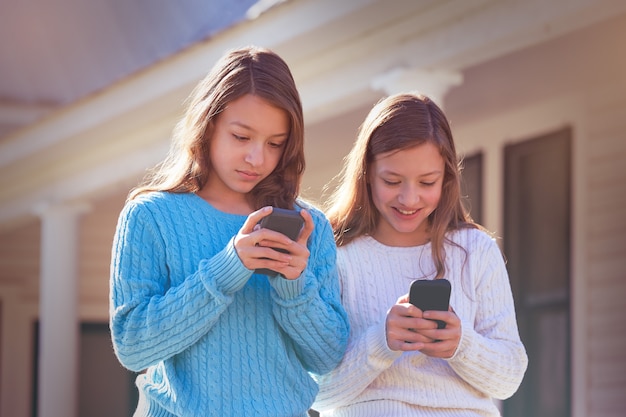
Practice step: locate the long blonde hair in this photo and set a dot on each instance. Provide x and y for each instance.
(248, 70)
(398, 122)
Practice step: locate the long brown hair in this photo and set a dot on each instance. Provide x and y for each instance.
(249, 70)
(398, 122)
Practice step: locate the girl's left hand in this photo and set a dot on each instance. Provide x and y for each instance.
(254, 246)
(444, 342)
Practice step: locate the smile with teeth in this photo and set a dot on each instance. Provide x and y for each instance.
(405, 212)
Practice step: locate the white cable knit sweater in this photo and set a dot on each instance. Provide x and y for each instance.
(372, 380)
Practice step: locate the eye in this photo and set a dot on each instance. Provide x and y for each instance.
(277, 145)
(390, 182)
(239, 137)
(429, 184)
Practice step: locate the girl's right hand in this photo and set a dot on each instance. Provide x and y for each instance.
(403, 319)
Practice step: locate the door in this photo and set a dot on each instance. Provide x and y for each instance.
(537, 246)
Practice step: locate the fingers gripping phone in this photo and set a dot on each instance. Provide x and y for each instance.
(429, 294)
(287, 222)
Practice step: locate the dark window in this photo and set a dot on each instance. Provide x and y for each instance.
(537, 246)
(105, 387)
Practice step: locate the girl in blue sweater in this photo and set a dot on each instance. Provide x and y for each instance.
(209, 336)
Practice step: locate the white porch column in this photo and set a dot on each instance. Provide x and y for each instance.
(435, 84)
(58, 312)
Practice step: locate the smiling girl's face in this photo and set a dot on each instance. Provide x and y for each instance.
(406, 187)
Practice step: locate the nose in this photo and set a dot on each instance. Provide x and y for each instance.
(409, 195)
(254, 155)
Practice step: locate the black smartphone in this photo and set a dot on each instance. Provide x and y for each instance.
(287, 222)
(427, 294)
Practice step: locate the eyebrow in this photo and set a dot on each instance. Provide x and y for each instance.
(245, 126)
(389, 172)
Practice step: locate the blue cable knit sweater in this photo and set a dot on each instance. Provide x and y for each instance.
(214, 338)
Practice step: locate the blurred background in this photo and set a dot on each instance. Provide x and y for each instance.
(535, 91)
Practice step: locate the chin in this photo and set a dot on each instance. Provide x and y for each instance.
(407, 230)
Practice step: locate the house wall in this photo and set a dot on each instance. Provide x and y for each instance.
(605, 233)
(578, 81)
(19, 273)
(96, 238)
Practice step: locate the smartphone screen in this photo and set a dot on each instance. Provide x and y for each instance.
(429, 294)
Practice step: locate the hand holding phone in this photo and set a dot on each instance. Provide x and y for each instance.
(431, 295)
(287, 222)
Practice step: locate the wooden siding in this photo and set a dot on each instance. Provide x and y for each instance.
(606, 243)
(19, 260)
(97, 230)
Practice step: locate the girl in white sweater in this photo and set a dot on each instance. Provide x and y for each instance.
(397, 216)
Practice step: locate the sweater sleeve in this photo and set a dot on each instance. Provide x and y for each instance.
(309, 309)
(150, 319)
(491, 356)
(366, 357)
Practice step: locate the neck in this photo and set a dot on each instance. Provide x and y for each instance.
(233, 204)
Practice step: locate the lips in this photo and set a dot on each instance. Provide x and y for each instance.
(249, 175)
(406, 212)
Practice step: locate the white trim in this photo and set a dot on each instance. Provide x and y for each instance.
(434, 83)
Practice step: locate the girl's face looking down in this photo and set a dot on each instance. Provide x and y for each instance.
(406, 187)
(248, 140)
